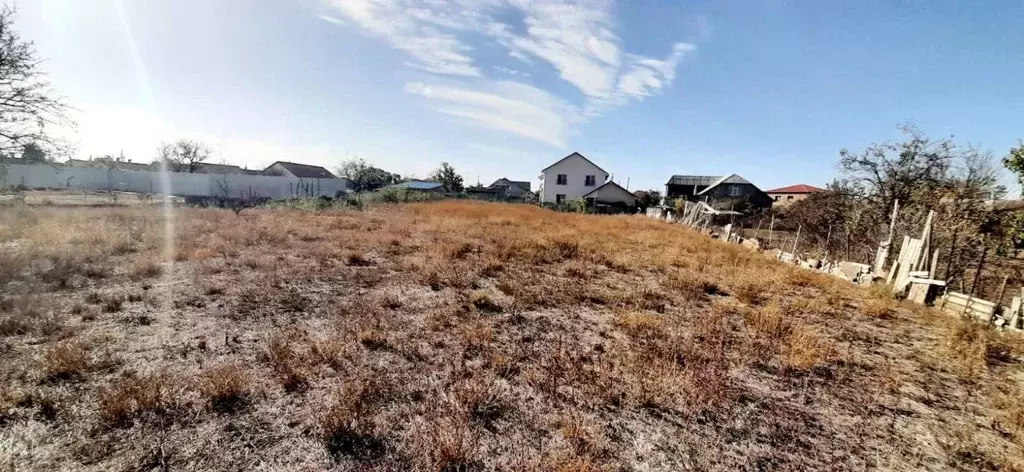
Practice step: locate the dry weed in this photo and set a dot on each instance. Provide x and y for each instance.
(154, 397)
(347, 428)
(226, 387)
(639, 324)
(67, 361)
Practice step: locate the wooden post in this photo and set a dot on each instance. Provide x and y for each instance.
(828, 237)
(949, 258)
(882, 254)
(926, 236)
(981, 264)
(796, 241)
(934, 265)
(757, 232)
(1002, 291)
(771, 226)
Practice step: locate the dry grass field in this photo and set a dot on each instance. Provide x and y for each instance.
(469, 336)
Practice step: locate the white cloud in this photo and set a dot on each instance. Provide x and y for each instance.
(508, 106)
(576, 38)
(331, 19)
(510, 71)
(645, 76)
(416, 31)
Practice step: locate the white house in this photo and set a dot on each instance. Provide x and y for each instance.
(611, 193)
(570, 178)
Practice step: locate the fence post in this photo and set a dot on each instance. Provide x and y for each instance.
(796, 240)
(771, 226)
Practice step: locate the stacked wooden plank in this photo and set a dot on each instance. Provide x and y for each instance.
(956, 302)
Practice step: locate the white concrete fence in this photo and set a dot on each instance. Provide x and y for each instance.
(181, 184)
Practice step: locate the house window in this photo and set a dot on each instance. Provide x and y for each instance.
(789, 197)
(560, 198)
(562, 179)
(590, 181)
(776, 198)
(735, 191)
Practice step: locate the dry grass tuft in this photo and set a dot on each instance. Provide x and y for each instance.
(226, 388)
(806, 349)
(289, 366)
(639, 324)
(67, 361)
(153, 398)
(347, 429)
(483, 302)
(146, 269)
(976, 347)
(23, 315)
(879, 307)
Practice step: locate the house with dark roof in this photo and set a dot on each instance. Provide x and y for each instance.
(301, 171)
(506, 189)
(783, 196)
(721, 192)
(419, 186)
(570, 178)
(211, 168)
(611, 194)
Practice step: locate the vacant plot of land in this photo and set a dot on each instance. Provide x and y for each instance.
(468, 336)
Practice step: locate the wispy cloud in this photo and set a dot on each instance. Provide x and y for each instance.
(575, 38)
(508, 106)
(510, 71)
(331, 19)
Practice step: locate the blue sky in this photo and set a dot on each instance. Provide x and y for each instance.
(771, 90)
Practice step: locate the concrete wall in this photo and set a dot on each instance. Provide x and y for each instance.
(576, 169)
(783, 199)
(181, 184)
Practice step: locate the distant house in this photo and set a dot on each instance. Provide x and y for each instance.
(718, 191)
(786, 195)
(506, 189)
(209, 168)
(108, 163)
(301, 171)
(611, 194)
(419, 186)
(570, 178)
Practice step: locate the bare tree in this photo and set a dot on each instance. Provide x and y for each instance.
(899, 170)
(27, 104)
(184, 155)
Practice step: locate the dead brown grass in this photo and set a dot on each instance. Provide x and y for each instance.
(226, 387)
(470, 336)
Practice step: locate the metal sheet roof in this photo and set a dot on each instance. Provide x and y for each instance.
(693, 179)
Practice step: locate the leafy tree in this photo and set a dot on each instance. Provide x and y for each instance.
(1014, 161)
(184, 155)
(447, 176)
(32, 152)
(647, 198)
(27, 104)
(363, 177)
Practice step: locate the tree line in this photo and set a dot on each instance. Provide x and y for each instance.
(913, 176)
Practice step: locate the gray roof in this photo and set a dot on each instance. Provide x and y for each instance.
(706, 180)
(419, 185)
(503, 182)
(729, 179)
(693, 180)
(304, 171)
(613, 184)
(571, 155)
